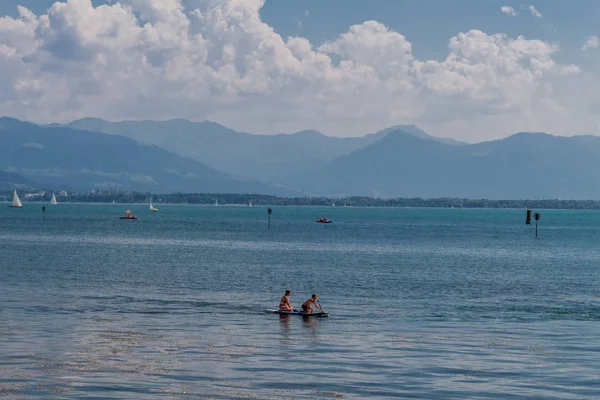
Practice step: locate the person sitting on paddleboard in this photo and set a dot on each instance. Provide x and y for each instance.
(284, 304)
(307, 305)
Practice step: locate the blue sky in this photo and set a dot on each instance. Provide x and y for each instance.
(429, 23)
(554, 79)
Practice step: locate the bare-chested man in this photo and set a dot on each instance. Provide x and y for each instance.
(284, 304)
(307, 305)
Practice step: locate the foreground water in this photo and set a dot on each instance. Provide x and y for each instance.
(424, 303)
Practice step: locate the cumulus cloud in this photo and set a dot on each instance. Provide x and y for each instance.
(218, 60)
(534, 12)
(508, 10)
(593, 42)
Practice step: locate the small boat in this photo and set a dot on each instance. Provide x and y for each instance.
(53, 200)
(16, 203)
(324, 220)
(128, 216)
(152, 208)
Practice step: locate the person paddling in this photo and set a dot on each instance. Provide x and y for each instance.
(307, 305)
(284, 304)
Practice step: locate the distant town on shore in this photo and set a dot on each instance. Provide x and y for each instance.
(250, 200)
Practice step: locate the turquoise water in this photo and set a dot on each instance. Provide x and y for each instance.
(423, 303)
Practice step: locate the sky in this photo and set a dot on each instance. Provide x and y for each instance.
(471, 70)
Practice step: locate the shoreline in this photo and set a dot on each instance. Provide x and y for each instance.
(261, 200)
(261, 206)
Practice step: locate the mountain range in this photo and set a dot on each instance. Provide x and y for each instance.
(522, 166)
(68, 158)
(261, 157)
(400, 161)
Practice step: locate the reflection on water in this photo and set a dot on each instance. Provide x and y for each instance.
(311, 324)
(285, 324)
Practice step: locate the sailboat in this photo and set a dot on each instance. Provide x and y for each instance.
(53, 200)
(152, 208)
(16, 203)
(216, 202)
(250, 204)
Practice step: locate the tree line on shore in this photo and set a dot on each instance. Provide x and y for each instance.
(130, 197)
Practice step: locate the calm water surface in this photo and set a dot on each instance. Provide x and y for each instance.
(424, 303)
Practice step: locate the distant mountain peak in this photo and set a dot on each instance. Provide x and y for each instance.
(402, 132)
(309, 133)
(10, 123)
(531, 134)
(9, 119)
(89, 119)
(417, 132)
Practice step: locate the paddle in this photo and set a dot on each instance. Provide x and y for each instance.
(319, 302)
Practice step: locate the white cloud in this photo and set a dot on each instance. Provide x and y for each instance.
(593, 42)
(158, 59)
(534, 12)
(508, 10)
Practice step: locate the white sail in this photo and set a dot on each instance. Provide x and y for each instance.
(16, 201)
(53, 199)
(152, 208)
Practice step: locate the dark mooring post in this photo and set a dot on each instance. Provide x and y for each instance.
(537, 218)
(44, 213)
(528, 217)
(269, 211)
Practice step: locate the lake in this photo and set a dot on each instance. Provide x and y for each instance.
(423, 303)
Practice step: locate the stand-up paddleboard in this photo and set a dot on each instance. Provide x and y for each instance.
(313, 314)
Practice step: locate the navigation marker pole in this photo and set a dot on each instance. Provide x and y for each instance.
(537, 218)
(269, 211)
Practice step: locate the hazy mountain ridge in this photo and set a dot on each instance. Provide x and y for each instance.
(10, 180)
(525, 165)
(384, 164)
(269, 158)
(83, 159)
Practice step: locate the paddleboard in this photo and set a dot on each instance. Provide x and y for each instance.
(314, 314)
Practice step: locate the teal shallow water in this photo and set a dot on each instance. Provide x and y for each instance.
(424, 303)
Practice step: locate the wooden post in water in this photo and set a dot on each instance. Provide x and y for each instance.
(537, 218)
(44, 213)
(528, 217)
(269, 211)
